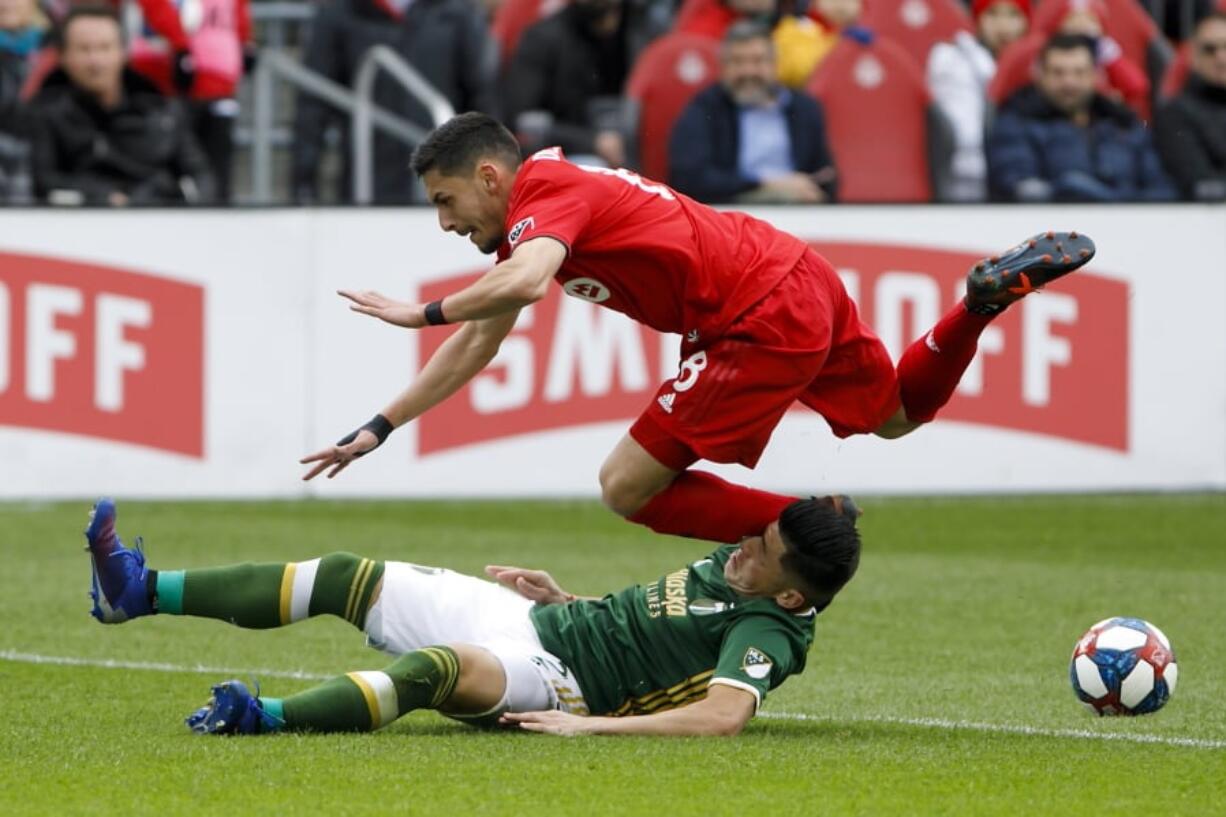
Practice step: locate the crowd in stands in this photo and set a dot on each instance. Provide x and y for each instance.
(118, 102)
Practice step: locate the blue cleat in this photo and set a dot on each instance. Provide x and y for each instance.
(119, 573)
(233, 710)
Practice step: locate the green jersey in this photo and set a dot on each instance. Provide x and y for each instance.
(658, 646)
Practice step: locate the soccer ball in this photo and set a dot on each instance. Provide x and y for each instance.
(1123, 666)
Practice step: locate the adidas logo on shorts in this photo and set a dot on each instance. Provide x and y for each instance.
(666, 401)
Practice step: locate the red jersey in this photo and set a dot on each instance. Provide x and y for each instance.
(641, 248)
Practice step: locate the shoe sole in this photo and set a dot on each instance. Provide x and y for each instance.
(1029, 266)
(101, 516)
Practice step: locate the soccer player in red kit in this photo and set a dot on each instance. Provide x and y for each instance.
(764, 320)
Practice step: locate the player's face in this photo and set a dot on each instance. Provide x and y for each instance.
(756, 568)
(474, 206)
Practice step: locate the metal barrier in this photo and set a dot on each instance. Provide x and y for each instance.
(277, 66)
(383, 58)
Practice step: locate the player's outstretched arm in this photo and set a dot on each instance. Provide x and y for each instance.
(724, 711)
(456, 362)
(521, 280)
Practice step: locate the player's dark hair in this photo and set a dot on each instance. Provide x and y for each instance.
(456, 146)
(97, 10)
(1067, 42)
(823, 545)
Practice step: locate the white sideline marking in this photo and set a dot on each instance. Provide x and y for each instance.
(1002, 728)
(155, 666)
(930, 723)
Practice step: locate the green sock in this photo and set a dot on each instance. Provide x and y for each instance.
(260, 596)
(365, 701)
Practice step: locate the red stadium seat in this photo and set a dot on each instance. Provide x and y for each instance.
(513, 16)
(1177, 72)
(878, 121)
(692, 10)
(916, 25)
(665, 78)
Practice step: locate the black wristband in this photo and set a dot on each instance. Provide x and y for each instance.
(434, 313)
(378, 425)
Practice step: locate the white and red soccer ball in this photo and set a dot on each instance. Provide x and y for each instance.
(1123, 666)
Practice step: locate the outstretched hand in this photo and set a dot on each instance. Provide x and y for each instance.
(397, 313)
(534, 585)
(337, 457)
(550, 721)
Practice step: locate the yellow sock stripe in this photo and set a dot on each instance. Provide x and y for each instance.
(450, 668)
(368, 692)
(380, 694)
(303, 586)
(359, 609)
(363, 567)
(287, 592)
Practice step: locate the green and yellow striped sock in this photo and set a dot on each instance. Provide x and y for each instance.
(365, 701)
(260, 596)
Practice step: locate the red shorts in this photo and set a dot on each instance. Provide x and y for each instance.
(804, 341)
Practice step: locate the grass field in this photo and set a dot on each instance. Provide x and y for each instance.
(937, 683)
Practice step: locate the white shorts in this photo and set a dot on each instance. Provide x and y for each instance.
(430, 606)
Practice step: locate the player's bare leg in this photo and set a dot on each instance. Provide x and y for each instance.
(630, 477)
(897, 426)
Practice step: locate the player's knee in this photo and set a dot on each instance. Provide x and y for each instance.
(344, 585)
(621, 494)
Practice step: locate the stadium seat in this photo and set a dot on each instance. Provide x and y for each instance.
(665, 78)
(886, 136)
(916, 25)
(513, 16)
(695, 17)
(1177, 72)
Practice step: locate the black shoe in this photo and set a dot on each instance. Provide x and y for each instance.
(996, 282)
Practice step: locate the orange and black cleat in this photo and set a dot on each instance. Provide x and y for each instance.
(996, 282)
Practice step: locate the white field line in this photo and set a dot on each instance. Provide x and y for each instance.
(929, 723)
(1001, 728)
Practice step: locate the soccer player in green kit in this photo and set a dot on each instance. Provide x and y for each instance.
(693, 653)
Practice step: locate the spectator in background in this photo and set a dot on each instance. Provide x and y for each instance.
(1060, 140)
(1191, 128)
(959, 73)
(446, 41)
(22, 30)
(746, 138)
(1088, 18)
(803, 39)
(206, 66)
(563, 85)
(102, 134)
